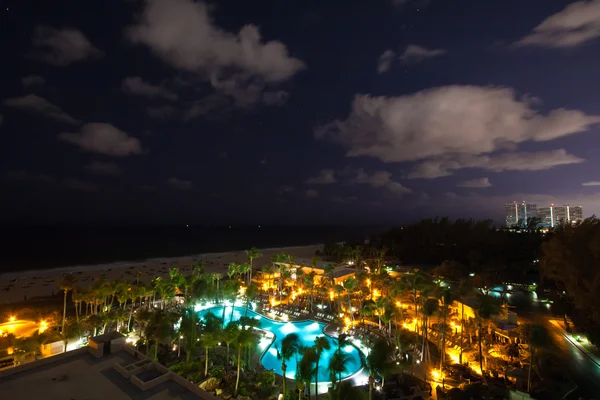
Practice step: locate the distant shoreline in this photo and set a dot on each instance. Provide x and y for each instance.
(19, 286)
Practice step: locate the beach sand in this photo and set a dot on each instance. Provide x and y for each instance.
(24, 285)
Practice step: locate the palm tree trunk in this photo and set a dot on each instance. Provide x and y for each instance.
(206, 362)
(64, 313)
(237, 378)
(77, 311)
(480, 351)
(283, 370)
(317, 376)
(530, 367)
(462, 330)
(130, 316)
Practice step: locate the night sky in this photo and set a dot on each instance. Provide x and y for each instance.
(296, 112)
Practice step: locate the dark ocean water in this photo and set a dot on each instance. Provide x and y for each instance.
(51, 247)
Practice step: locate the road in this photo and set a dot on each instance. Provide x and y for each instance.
(580, 367)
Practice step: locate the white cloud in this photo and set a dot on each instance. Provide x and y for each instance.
(476, 183)
(325, 177)
(103, 168)
(471, 120)
(135, 85)
(104, 139)
(33, 80)
(576, 24)
(62, 47)
(512, 161)
(182, 33)
(179, 184)
(311, 194)
(385, 60)
(591, 183)
(39, 105)
(381, 179)
(416, 54)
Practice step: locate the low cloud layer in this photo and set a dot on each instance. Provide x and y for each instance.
(381, 179)
(576, 24)
(136, 86)
(475, 183)
(591, 183)
(325, 177)
(511, 161)
(103, 168)
(38, 105)
(449, 120)
(415, 54)
(103, 138)
(311, 194)
(61, 47)
(33, 80)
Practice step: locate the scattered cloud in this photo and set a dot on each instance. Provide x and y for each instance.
(325, 177)
(415, 54)
(576, 24)
(311, 194)
(410, 3)
(479, 183)
(61, 47)
(39, 105)
(179, 184)
(385, 60)
(103, 168)
(381, 179)
(76, 184)
(103, 138)
(135, 85)
(263, 161)
(209, 106)
(286, 189)
(458, 120)
(275, 98)
(343, 200)
(33, 80)
(241, 65)
(591, 183)
(511, 161)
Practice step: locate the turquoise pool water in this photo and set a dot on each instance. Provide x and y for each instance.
(306, 330)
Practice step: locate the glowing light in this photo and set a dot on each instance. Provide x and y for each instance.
(242, 291)
(264, 342)
(348, 349)
(43, 326)
(331, 295)
(12, 318)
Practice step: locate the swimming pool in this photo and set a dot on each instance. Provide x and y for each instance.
(307, 331)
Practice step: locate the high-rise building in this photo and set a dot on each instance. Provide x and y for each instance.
(519, 213)
(555, 215)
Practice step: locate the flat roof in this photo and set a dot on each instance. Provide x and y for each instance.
(338, 273)
(83, 376)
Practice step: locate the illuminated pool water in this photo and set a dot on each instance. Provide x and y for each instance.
(307, 331)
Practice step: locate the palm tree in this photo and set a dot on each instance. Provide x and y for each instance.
(447, 297)
(350, 285)
(230, 335)
(338, 364)
(486, 307)
(252, 254)
(306, 370)
(289, 347)
(160, 328)
(376, 362)
(244, 340)
(464, 290)
(67, 284)
(208, 340)
(321, 344)
(536, 336)
(429, 308)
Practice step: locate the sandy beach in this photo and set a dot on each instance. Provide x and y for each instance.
(22, 285)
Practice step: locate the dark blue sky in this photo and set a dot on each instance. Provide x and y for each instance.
(378, 112)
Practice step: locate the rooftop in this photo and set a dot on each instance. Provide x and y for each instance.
(78, 375)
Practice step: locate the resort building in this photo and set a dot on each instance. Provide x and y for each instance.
(108, 368)
(519, 213)
(340, 272)
(552, 215)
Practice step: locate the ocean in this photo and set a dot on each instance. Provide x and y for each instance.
(37, 248)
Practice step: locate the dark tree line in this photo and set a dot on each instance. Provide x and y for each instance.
(476, 244)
